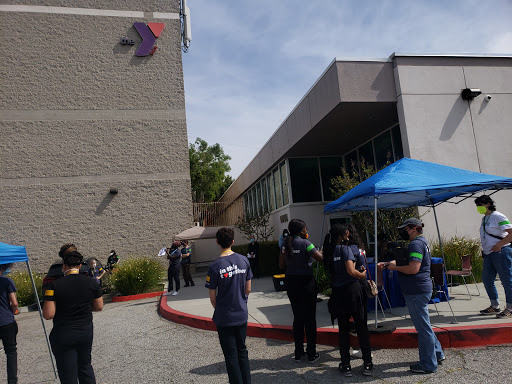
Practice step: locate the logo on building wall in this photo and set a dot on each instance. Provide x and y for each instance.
(149, 34)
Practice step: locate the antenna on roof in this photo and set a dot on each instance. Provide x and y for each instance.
(186, 32)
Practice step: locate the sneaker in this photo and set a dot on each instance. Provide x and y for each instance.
(506, 313)
(357, 354)
(416, 368)
(192, 284)
(167, 293)
(367, 369)
(346, 370)
(490, 311)
(175, 293)
(299, 358)
(312, 359)
(441, 359)
(187, 285)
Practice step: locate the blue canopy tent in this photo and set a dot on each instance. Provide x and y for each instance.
(16, 254)
(409, 183)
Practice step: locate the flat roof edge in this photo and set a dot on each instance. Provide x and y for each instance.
(458, 55)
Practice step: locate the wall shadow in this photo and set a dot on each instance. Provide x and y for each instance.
(104, 204)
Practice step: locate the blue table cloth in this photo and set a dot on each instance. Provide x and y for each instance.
(392, 287)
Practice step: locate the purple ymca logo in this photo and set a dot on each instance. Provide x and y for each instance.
(149, 34)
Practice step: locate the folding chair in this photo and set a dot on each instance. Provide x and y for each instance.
(436, 273)
(465, 272)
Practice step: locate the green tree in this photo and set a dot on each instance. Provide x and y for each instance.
(258, 226)
(208, 167)
(387, 219)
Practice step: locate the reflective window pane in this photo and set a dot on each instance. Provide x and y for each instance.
(330, 167)
(383, 149)
(272, 192)
(277, 184)
(366, 154)
(284, 183)
(305, 180)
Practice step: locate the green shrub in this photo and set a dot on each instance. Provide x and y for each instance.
(138, 275)
(323, 278)
(25, 291)
(268, 256)
(454, 249)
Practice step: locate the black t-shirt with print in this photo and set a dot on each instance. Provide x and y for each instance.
(73, 295)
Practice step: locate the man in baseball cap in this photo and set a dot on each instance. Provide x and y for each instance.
(412, 221)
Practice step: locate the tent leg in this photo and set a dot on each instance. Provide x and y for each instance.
(439, 236)
(42, 321)
(376, 259)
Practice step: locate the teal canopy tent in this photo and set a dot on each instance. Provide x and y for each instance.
(16, 254)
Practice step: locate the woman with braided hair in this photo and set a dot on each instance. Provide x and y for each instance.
(345, 263)
(69, 301)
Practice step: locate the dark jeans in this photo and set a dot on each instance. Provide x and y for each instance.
(362, 334)
(255, 267)
(173, 273)
(72, 351)
(302, 294)
(186, 274)
(232, 342)
(8, 335)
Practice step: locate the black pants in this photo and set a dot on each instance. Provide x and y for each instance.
(232, 342)
(302, 294)
(186, 274)
(361, 324)
(8, 335)
(255, 267)
(173, 273)
(72, 351)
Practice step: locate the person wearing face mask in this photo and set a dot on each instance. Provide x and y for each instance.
(253, 256)
(8, 326)
(416, 286)
(496, 237)
(69, 301)
(296, 258)
(96, 272)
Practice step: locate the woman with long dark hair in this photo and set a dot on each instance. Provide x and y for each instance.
(69, 301)
(296, 258)
(345, 263)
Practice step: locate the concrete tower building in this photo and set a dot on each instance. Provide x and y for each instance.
(93, 138)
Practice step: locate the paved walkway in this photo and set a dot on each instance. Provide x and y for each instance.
(270, 316)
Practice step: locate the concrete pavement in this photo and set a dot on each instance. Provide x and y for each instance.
(270, 316)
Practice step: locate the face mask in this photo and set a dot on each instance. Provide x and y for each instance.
(403, 234)
(481, 209)
(304, 235)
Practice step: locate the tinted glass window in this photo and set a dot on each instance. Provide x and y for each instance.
(284, 179)
(351, 162)
(272, 192)
(277, 184)
(305, 180)
(397, 142)
(383, 149)
(366, 153)
(330, 167)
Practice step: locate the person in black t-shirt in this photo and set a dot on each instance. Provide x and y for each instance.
(8, 326)
(253, 256)
(186, 259)
(69, 301)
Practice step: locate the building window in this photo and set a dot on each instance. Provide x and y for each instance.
(351, 161)
(284, 183)
(271, 192)
(366, 153)
(305, 180)
(277, 184)
(397, 142)
(264, 192)
(383, 149)
(330, 167)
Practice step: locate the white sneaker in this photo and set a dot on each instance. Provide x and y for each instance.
(167, 293)
(175, 293)
(357, 354)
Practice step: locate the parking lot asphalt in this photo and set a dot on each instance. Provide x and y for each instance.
(134, 344)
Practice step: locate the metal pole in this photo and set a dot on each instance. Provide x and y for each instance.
(41, 316)
(439, 235)
(321, 235)
(376, 258)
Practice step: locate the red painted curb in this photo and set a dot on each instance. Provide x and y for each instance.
(117, 299)
(452, 337)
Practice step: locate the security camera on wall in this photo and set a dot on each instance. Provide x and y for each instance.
(187, 32)
(488, 98)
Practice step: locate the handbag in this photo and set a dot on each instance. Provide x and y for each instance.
(370, 287)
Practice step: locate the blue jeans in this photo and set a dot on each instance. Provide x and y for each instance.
(232, 342)
(498, 263)
(428, 344)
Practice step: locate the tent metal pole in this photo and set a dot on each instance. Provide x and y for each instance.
(439, 235)
(41, 316)
(376, 260)
(321, 235)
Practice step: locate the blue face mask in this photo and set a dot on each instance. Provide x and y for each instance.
(252, 240)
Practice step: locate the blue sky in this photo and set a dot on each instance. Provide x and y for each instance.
(250, 62)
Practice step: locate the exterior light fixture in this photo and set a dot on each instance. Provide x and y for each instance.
(113, 191)
(470, 93)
